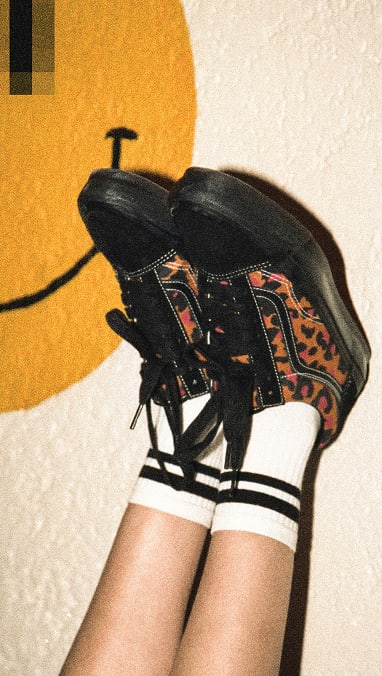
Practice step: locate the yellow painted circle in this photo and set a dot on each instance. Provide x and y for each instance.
(123, 63)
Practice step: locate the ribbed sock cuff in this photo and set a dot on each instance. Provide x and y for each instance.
(265, 496)
(161, 485)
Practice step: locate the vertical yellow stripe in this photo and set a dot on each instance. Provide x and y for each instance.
(43, 36)
(4, 36)
(4, 47)
(43, 46)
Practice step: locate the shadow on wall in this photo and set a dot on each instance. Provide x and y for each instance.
(319, 232)
(294, 637)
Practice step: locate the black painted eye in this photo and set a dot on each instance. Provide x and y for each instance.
(117, 134)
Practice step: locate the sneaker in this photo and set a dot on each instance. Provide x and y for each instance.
(275, 329)
(128, 219)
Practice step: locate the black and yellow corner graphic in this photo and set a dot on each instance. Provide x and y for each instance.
(26, 47)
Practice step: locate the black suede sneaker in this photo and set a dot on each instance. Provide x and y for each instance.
(128, 219)
(277, 328)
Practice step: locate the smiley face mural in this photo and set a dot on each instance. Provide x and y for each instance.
(119, 64)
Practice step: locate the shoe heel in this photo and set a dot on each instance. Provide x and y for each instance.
(310, 270)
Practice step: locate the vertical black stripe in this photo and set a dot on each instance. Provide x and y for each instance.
(20, 46)
(20, 32)
(266, 373)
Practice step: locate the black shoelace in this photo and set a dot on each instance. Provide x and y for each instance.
(234, 361)
(159, 371)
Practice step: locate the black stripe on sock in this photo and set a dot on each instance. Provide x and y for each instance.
(178, 483)
(207, 470)
(260, 499)
(167, 457)
(263, 479)
(157, 474)
(200, 467)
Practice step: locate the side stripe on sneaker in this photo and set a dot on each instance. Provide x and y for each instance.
(290, 343)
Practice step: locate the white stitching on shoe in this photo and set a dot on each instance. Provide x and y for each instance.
(236, 273)
(154, 264)
(290, 290)
(268, 343)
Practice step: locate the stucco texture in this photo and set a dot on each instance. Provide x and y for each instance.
(289, 95)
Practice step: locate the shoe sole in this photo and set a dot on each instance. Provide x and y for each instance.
(128, 219)
(229, 228)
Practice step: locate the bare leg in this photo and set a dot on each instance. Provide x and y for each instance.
(238, 620)
(134, 623)
(237, 624)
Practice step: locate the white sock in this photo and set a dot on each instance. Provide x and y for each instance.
(197, 499)
(267, 498)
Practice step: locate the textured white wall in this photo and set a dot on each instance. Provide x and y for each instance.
(288, 91)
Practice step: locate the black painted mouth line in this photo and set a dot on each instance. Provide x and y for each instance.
(31, 299)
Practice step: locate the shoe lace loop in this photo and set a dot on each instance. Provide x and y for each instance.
(159, 382)
(226, 316)
(233, 361)
(158, 376)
